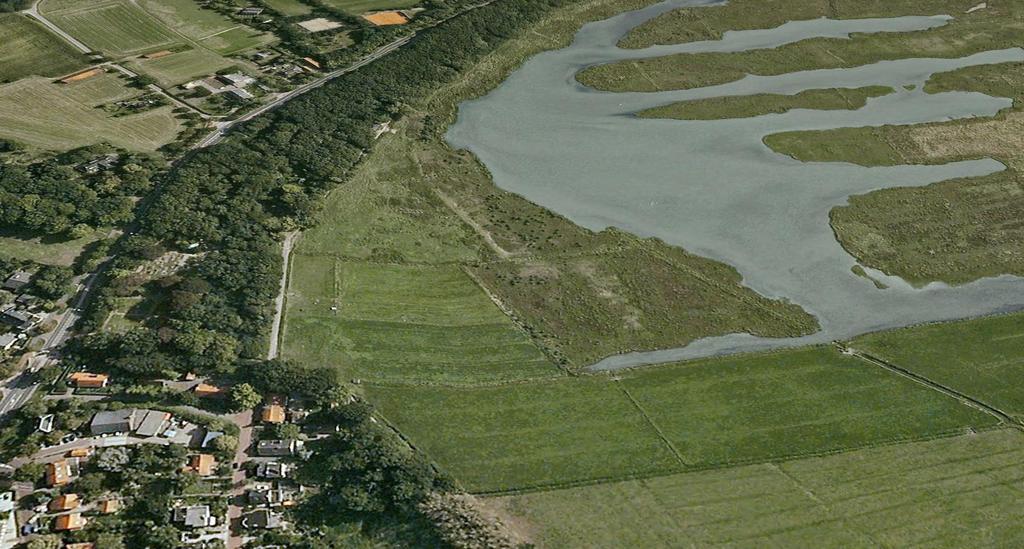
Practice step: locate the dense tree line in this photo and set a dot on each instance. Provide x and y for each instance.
(14, 5)
(54, 198)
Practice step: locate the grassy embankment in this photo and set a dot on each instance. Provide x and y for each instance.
(953, 492)
(578, 295)
(27, 48)
(954, 231)
(745, 106)
(996, 27)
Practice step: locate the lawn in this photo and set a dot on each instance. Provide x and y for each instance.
(47, 250)
(952, 492)
(52, 116)
(27, 48)
(181, 66)
(117, 28)
(709, 413)
(744, 106)
(288, 7)
(357, 7)
(403, 324)
(983, 358)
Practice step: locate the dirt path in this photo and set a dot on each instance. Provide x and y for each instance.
(275, 328)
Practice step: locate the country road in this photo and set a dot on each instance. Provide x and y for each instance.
(275, 327)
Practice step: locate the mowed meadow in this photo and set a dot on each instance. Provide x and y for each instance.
(645, 422)
(27, 48)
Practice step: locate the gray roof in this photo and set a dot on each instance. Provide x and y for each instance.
(262, 518)
(152, 423)
(210, 437)
(275, 447)
(122, 420)
(194, 516)
(18, 279)
(17, 315)
(7, 340)
(272, 469)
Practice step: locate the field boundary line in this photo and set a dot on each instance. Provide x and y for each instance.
(965, 399)
(949, 433)
(643, 413)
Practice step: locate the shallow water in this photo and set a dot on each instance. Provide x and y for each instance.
(713, 188)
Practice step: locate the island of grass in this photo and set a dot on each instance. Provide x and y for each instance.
(996, 27)
(953, 231)
(745, 106)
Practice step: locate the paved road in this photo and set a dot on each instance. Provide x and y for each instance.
(33, 12)
(244, 422)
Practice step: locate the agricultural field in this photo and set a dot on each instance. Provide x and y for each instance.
(744, 106)
(52, 116)
(703, 414)
(288, 7)
(357, 7)
(28, 49)
(996, 27)
(408, 324)
(181, 66)
(205, 26)
(981, 358)
(953, 231)
(952, 492)
(117, 27)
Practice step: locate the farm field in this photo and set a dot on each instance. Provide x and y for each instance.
(357, 7)
(288, 7)
(743, 106)
(951, 492)
(708, 413)
(953, 231)
(182, 66)
(981, 358)
(52, 116)
(28, 49)
(403, 324)
(205, 26)
(989, 29)
(117, 28)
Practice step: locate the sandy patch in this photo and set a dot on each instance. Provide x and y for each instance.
(319, 24)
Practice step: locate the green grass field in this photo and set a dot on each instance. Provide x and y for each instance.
(116, 27)
(288, 7)
(709, 413)
(983, 358)
(205, 26)
(27, 48)
(403, 324)
(357, 7)
(744, 106)
(46, 250)
(952, 492)
(52, 116)
(182, 66)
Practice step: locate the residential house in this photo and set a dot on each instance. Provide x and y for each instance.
(194, 516)
(58, 473)
(272, 470)
(65, 502)
(79, 452)
(26, 301)
(8, 340)
(82, 545)
(17, 280)
(22, 320)
(210, 437)
(201, 464)
(273, 413)
(205, 390)
(278, 448)
(97, 165)
(110, 506)
(263, 519)
(88, 380)
(153, 423)
(114, 421)
(69, 522)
